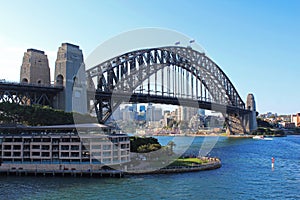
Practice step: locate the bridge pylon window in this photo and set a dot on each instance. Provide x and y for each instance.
(24, 80)
(59, 80)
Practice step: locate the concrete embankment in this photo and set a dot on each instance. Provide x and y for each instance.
(64, 173)
(93, 171)
(75, 170)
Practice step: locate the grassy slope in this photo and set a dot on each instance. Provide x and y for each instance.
(187, 162)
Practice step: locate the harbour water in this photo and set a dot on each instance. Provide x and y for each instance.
(246, 173)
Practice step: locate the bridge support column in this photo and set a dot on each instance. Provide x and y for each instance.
(250, 122)
(70, 73)
(235, 125)
(250, 119)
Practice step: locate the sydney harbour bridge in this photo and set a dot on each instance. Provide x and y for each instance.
(167, 75)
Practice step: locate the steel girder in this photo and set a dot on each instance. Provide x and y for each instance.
(212, 73)
(26, 94)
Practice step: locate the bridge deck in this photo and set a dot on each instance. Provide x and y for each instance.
(29, 87)
(146, 98)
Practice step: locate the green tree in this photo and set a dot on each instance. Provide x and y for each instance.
(262, 123)
(146, 148)
(38, 115)
(171, 146)
(136, 142)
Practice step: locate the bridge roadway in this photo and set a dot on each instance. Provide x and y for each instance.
(5, 86)
(122, 97)
(24, 93)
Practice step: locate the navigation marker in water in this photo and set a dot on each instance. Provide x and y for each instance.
(273, 161)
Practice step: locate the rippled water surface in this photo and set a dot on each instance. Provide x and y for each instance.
(246, 173)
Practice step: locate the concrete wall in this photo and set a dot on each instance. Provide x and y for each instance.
(50, 167)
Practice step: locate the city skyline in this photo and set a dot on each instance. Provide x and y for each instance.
(255, 43)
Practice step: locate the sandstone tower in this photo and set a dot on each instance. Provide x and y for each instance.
(70, 73)
(35, 68)
(250, 105)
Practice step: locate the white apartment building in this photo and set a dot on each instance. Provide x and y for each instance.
(63, 145)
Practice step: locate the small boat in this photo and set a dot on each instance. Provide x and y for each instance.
(267, 138)
(261, 137)
(258, 137)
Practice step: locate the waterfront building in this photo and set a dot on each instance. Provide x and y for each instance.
(85, 146)
(287, 124)
(296, 119)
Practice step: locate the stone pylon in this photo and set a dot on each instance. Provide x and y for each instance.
(70, 73)
(251, 123)
(35, 68)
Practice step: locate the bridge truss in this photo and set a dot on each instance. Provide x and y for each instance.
(168, 75)
(28, 94)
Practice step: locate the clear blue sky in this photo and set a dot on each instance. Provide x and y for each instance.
(256, 43)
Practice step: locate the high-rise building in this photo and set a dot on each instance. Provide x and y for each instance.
(153, 113)
(149, 112)
(201, 112)
(117, 114)
(134, 110)
(127, 113)
(186, 113)
(157, 114)
(35, 68)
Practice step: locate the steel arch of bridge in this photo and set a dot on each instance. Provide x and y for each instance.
(122, 76)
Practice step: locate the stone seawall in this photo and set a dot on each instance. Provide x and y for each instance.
(48, 167)
(94, 170)
(74, 170)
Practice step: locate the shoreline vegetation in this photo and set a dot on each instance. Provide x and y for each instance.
(149, 157)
